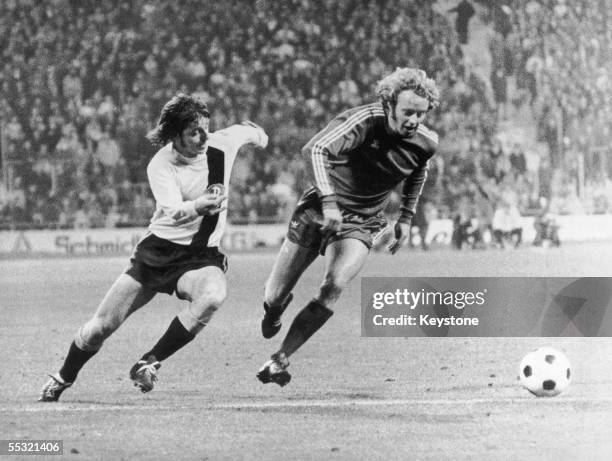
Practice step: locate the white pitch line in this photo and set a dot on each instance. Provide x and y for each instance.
(75, 407)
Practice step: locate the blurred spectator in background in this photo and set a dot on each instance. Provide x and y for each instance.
(546, 227)
(465, 11)
(507, 227)
(421, 220)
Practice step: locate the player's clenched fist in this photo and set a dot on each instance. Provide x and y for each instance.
(332, 217)
(205, 205)
(210, 204)
(401, 233)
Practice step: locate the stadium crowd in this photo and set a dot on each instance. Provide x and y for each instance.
(558, 53)
(81, 82)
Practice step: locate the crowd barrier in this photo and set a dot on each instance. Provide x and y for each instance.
(94, 242)
(97, 242)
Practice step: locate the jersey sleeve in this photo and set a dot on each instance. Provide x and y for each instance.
(235, 136)
(166, 190)
(411, 192)
(413, 184)
(344, 133)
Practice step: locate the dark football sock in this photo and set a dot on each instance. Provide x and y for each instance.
(304, 325)
(74, 361)
(175, 337)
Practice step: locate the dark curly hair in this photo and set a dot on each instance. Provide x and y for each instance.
(177, 114)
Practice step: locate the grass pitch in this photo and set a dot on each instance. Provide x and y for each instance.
(350, 398)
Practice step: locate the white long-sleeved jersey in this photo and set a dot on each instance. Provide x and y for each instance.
(176, 181)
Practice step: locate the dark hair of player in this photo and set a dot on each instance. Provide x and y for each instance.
(407, 78)
(176, 115)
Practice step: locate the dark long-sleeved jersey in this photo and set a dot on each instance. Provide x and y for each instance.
(357, 161)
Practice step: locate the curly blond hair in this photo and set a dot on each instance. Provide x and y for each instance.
(407, 78)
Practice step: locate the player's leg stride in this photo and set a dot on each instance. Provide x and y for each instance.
(181, 331)
(144, 373)
(271, 322)
(53, 388)
(305, 324)
(58, 382)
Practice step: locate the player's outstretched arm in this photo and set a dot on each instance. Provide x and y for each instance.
(260, 137)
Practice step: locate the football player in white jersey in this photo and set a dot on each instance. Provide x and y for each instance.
(180, 252)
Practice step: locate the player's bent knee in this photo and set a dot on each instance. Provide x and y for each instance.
(334, 284)
(212, 297)
(93, 334)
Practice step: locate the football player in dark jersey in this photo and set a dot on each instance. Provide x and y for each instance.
(357, 160)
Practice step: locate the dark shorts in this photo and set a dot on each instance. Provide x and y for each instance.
(305, 225)
(159, 264)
